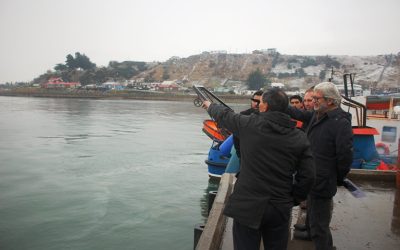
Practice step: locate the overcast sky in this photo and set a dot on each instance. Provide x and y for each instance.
(38, 34)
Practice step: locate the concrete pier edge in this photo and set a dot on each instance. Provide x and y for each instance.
(211, 237)
(213, 233)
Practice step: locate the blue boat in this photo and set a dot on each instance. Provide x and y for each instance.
(219, 153)
(216, 161)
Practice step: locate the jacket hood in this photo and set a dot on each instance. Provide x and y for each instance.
(279, 122)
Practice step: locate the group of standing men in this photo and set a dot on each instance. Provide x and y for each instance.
(306, 103)
(281, 165)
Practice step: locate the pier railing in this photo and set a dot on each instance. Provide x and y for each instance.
(212, 235)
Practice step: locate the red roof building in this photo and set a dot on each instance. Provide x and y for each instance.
(57, 82)
(167, 87)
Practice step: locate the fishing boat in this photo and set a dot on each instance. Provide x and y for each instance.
(383, 113)
(219, 152)
(376, 125)
(376, 128)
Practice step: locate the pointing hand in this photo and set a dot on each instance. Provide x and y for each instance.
(206, 104)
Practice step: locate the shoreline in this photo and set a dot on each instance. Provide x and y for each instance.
(112, 94)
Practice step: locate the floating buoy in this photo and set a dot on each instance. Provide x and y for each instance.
(215, 133)
(381, 145)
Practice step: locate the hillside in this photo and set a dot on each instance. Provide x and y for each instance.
(214, 69)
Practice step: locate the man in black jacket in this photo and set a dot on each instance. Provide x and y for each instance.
(273, 152)
(331, 137)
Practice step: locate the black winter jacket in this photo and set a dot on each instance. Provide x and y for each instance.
(272, 151)
(236, 141)
(331, 139)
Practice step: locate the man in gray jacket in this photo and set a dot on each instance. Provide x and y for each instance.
(331, 137)
(274, 154)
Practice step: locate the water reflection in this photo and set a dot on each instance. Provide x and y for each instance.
(213, 184)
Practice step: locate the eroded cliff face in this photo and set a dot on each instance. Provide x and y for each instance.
(213, 69)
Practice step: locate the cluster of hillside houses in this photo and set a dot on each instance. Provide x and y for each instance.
(57, 82)
(227, 86)
(165, 86)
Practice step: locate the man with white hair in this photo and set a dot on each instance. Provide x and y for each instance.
(331, 138)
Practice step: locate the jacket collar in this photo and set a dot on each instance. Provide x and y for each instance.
(278, 118)
(331, 114)
(334, 112)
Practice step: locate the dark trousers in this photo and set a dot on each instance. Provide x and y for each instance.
(319, 212)
(307, 220)
(274, 231)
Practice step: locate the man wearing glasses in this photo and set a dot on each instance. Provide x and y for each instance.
(331, 138)
(255, 102)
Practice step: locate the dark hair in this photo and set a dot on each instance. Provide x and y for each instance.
(258, 92)
(296, 97)
(276, 99)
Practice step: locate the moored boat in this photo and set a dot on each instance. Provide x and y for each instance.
(219, 152)
(376, 125)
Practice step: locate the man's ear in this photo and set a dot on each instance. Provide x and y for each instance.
(264, 107)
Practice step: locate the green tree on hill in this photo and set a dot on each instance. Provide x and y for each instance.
(330, 62)
(308, 61)
(126, 69)
(80, 68)
(101, 75)
(60, 67)
(256, 80)
(89, 77)
(80, 61)
(70, 62)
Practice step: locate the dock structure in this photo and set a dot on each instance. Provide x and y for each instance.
(370, 222)
(214, 229)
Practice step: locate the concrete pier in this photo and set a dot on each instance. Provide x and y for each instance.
(213, 232)
(371, 222)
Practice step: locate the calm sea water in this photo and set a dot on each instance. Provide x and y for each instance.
(101, 174)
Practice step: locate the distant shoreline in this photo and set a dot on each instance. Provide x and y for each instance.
(128, 95)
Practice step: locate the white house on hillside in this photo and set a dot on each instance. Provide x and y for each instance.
(277, 85)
